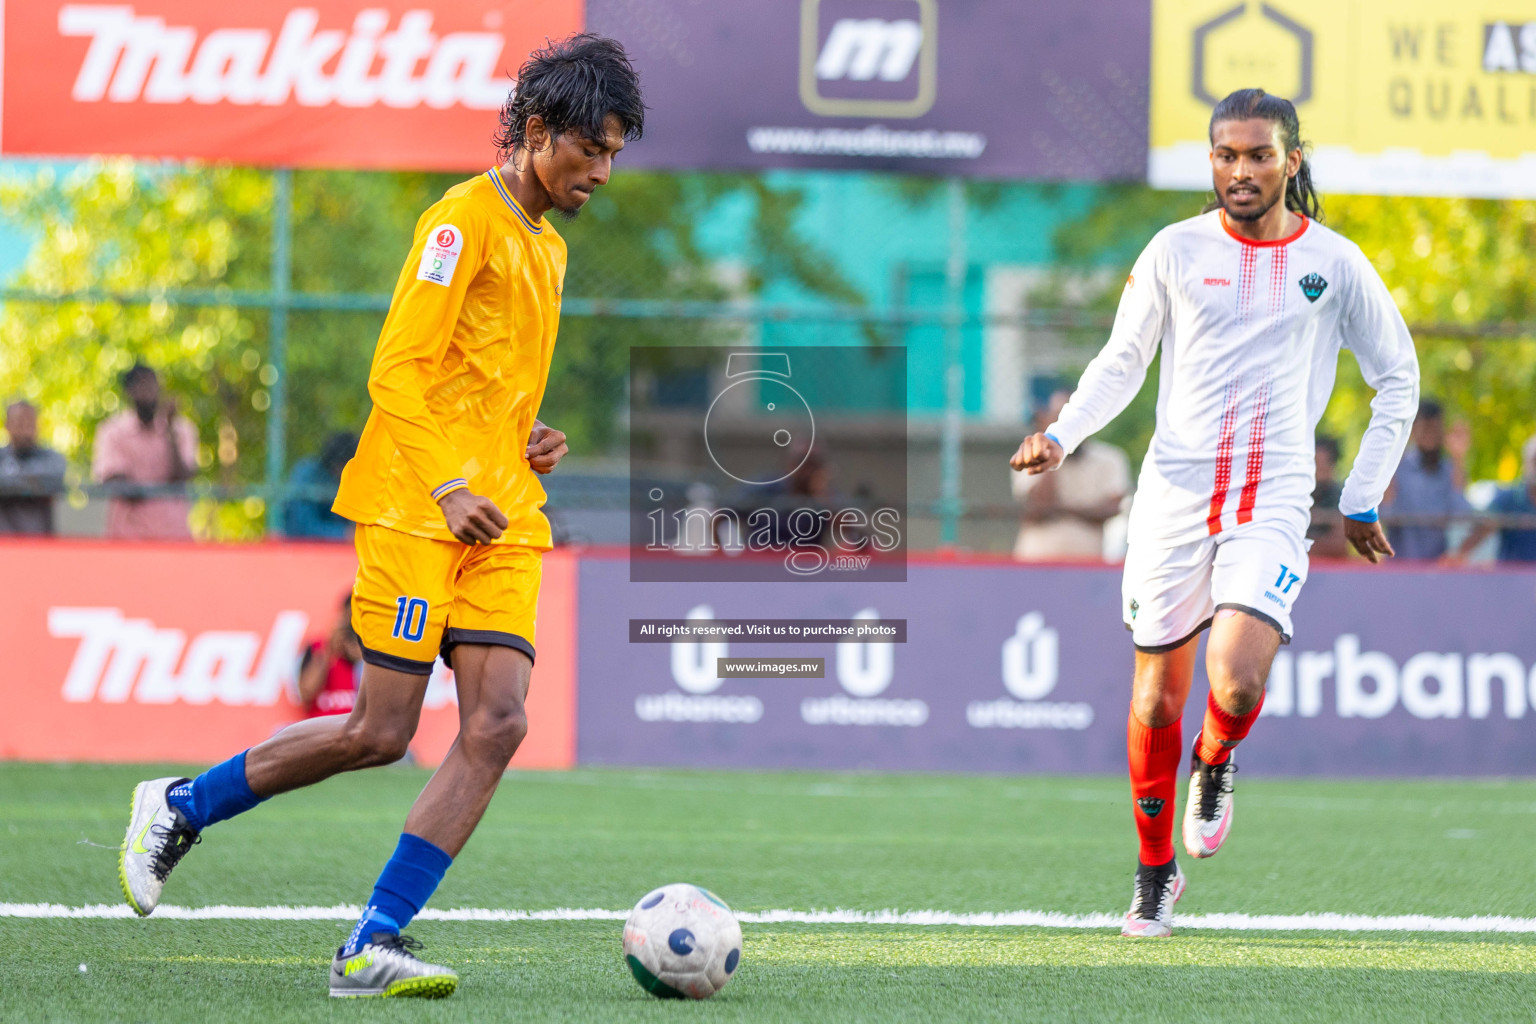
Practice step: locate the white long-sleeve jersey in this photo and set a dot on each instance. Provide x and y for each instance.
(1250, 335)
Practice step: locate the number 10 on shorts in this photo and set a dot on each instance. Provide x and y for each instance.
(410, 618)
(1285, 581)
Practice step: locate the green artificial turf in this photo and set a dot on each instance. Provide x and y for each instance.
(602, 839)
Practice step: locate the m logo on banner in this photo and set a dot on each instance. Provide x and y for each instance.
(858, 48)
(865, 49)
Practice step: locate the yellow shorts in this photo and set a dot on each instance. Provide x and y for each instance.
(416, 597)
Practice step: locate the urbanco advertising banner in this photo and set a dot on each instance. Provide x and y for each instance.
(1408, 97)
(189, 652)
(999, 89)
(411, 84)
(1004, 668)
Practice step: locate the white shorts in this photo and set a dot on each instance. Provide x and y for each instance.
(1170, 593)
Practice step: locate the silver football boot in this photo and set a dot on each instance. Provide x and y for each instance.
(158, 837)
(387, 965)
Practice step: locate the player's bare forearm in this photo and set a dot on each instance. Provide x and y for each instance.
(546, 447)
(1368, 539)
(471, 518)
(1037, 454)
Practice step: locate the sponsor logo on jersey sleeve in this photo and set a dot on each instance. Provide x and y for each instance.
(1312, 286)
(440, 255)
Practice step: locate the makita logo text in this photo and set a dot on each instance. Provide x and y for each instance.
(1220, 282)
(121, 659)
(134, 58)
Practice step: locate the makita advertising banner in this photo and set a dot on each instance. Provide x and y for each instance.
(997, 89)
(305, 83)
(932, 86)
(1012, 669)
(189, 652)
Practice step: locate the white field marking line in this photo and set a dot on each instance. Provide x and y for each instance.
(1008, 919)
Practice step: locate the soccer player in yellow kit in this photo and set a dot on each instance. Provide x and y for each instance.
(445, 492)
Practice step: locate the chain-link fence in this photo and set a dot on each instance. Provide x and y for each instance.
(987, 291)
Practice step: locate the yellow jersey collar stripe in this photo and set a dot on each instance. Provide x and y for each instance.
(512, 204)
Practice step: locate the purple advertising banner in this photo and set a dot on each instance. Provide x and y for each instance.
(1001, 90)
(1022, 669)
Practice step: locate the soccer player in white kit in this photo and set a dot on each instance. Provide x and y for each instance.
(1250, 302)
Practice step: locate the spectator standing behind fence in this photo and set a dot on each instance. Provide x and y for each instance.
(1430, 481)
(1326, 532)
(148, 445)
(1065, 511)
(1517, 543)
(313, 484)
(330, 669)
(30, 475)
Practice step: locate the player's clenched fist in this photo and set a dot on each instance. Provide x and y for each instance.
(471, 518)
(546, 446)
(1037, 454)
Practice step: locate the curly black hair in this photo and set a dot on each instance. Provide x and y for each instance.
(573, 85)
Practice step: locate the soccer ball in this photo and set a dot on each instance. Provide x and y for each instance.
(682, 942)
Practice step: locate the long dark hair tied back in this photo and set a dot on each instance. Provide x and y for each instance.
(1256, 104)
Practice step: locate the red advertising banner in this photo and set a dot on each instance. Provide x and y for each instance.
(301, 83)
(188, 653)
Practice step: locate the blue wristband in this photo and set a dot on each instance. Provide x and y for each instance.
(1364, 517)
(1053, 437)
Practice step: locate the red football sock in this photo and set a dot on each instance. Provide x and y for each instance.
(1222, 731)
(1155, 755)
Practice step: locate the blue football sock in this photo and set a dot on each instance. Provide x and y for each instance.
(373, 920)
(403, 888)
(219, 793)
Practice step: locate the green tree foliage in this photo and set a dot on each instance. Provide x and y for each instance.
(123, 227)
(119, 227)
(1468, 265)
(1463, 272)
(126, 228)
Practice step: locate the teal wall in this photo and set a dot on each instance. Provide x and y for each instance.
(889, 237)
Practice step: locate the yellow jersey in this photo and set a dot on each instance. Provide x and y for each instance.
(460, 369)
